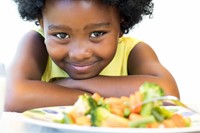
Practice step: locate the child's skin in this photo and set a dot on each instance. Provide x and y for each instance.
(81, 37)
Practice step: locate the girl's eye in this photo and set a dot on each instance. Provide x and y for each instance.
(97, 34)
(62, 35)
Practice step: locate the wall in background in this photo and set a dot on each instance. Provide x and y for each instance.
(173, 33)
(12, 29)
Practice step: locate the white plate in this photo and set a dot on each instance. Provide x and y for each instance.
(46, 116)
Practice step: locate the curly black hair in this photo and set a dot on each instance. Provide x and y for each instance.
(131, 11)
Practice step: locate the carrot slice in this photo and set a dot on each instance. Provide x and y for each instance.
(134, 100)
(113, 100)
(153, 125)
(96, 96)
(117, 110)
(169, 123)
(134, 116)
(178, 120)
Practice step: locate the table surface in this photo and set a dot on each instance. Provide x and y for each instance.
(11, 122)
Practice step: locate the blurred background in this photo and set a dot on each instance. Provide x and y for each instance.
(173, 33)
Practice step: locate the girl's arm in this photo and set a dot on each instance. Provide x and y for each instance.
(25, 90)
(143, 65)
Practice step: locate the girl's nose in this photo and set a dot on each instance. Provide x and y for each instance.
(80, 50)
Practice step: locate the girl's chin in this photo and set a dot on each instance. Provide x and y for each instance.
(82, 76)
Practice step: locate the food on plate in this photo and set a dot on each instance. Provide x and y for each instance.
(123, 112)
(98, 111)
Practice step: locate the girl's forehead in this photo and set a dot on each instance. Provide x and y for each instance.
(79, 6)
(75, 4)
(66, 12)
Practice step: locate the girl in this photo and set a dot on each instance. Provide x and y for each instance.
(80, 48)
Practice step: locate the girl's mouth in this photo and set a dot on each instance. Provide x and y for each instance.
(83, 68)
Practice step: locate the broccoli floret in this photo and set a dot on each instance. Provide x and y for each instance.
(150, 90)
(84, 104)
(103, 117)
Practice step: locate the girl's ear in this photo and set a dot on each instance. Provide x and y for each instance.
(120, 34)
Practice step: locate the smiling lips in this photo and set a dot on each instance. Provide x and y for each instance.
(82, 67)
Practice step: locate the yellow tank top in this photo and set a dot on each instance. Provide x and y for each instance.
(117, 67)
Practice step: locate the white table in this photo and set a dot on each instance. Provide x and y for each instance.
(11, 122)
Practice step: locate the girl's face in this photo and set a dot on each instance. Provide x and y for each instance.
(81, 35)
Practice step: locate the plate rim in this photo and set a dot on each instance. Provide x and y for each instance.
(89, 129)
